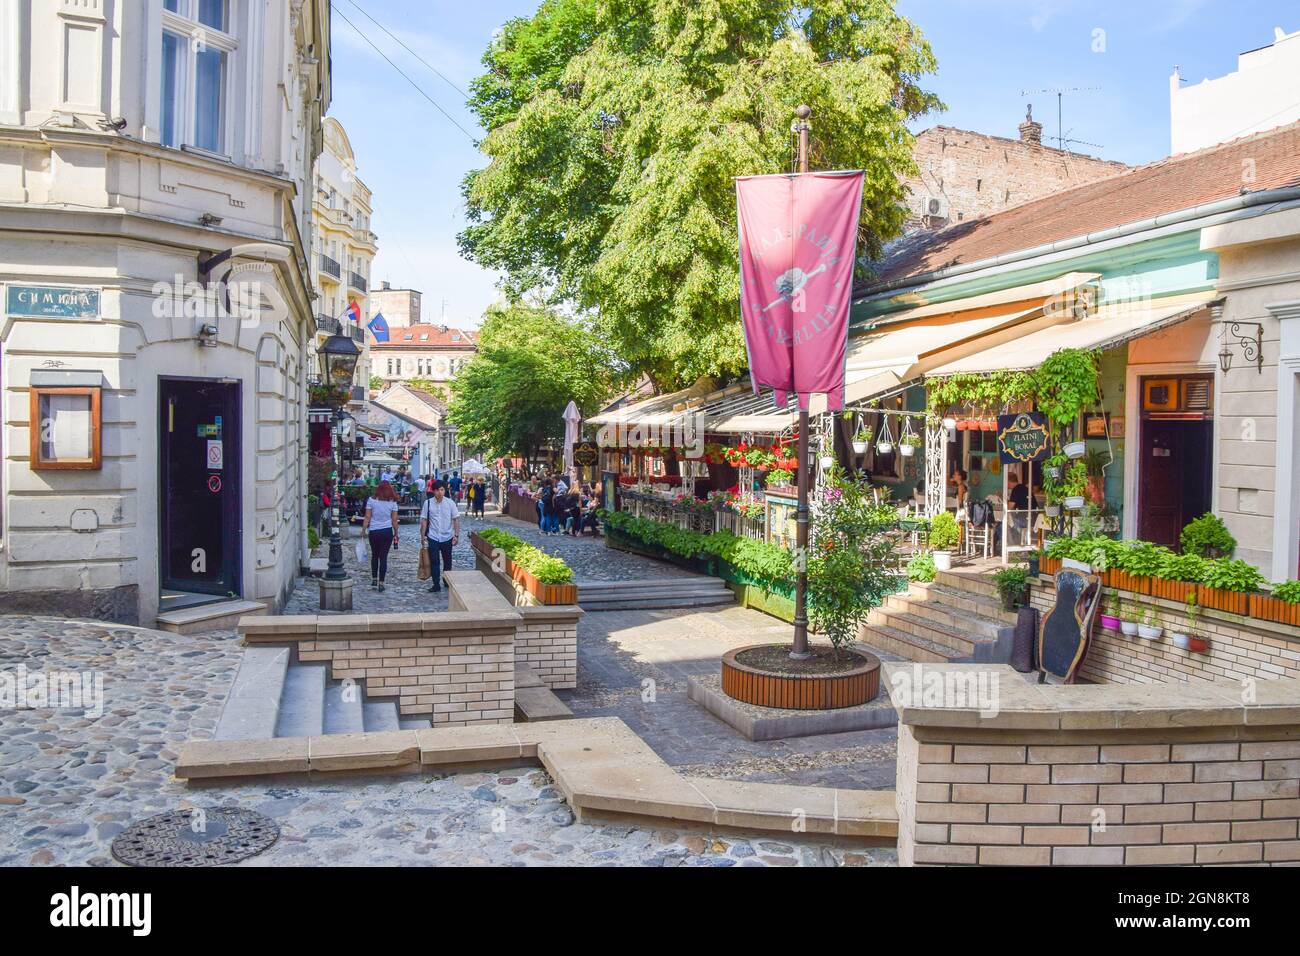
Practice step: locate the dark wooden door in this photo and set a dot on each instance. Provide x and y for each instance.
(1160, 496)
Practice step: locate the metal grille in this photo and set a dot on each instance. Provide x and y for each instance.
(203, 836)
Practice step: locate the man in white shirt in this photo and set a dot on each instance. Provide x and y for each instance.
(440, 530)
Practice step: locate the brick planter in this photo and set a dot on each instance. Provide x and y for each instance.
(548, 594)
(816, 692)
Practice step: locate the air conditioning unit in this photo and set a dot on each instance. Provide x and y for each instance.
(937, 207)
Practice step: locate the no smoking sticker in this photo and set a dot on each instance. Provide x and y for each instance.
(216, 456)
(214, 484)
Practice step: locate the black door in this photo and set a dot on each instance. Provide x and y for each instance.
(1175, 476)
(199, 445)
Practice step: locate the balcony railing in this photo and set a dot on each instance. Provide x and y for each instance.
(358, 334)
(328, 325)
(330, 266)
(357, 281)
(359, 393)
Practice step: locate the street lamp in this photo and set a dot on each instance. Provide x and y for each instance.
(338, 358)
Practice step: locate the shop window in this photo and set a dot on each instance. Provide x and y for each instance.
(65, 428)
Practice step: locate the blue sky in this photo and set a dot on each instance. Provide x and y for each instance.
(413, 157)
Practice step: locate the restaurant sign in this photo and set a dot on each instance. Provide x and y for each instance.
(51, 302)
(586, 454)
(1022, 437)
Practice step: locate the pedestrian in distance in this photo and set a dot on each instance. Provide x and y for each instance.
(440, 531)
(380, 527)
(480, 495)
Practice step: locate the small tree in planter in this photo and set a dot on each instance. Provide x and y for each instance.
(944, 535)
(1208, 537)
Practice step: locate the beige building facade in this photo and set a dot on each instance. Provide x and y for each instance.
(155, 167)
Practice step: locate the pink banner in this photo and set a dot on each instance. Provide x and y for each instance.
(798, 240)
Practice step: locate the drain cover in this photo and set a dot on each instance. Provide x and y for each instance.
(206, 836)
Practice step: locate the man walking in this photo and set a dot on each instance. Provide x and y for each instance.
(440, 531)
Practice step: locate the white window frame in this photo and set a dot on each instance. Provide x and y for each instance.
(191, 32)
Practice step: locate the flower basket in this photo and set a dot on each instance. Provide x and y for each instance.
(1234, 602)
(988, 425)
(1178, 591)
(1268, 608)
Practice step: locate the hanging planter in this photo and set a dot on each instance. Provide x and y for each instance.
(1051, 511)
(907, 451)
(909, 441)
(1075, 502)
(885, 444)
(827, 462)
(1075, 449)
(862, 440)
(988, 425)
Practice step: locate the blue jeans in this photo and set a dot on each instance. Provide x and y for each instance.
(439, 559)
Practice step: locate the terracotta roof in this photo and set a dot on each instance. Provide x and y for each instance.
(1179, 182)
(433, 401)
(427, 337)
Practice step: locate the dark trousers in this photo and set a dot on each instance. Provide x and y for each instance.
(438, 550)
(380, 542)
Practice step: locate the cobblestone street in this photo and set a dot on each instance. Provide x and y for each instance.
(69, 783)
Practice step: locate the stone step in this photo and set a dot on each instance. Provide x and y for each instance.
(602, 588)
(976, 581)
(344, 712)
(538, 703)
(977, 626)
(970, 602)
(907, 646)
(217, 616)
(414, 723)
(380, 715)
(661, 603)
(960, 643)
(253, 705)
(302, 704)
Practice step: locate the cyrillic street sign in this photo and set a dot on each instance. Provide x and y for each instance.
(51, 302)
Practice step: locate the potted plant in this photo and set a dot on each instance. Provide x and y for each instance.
(921, 568)
(1075, 449)
(908, 444)
(1191, 641)
(862, 440)
(827, 462)
(778, 478)
(1033, 564)
(884, 447)
(1129, 616)
(1110, 617)
(1013, 587)
(1074, 487)
(1054, 467)
(944, 535)
(1227, 585)
(1150, 626)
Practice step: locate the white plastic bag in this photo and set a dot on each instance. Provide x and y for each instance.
(361, 551)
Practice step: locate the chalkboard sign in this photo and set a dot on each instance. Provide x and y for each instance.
(1066, 630)
(1022, 437)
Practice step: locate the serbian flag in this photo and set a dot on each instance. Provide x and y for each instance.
(379, 327)
(354, 311)
(798, 242)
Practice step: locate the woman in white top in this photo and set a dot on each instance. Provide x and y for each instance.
(380, 524)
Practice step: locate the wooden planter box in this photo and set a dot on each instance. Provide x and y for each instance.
(1178, 591)
(544, 593)
(1234, 602)
(1269, 608)
(1128, 582)
(1048, 565)
(831, 692)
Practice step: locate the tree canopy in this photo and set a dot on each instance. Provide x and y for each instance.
(614, 131)
(509, 399)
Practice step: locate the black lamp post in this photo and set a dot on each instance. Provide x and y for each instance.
(338, 358)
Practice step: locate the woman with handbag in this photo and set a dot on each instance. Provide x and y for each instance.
(380, 526)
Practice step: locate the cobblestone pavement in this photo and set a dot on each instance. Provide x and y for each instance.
(618, 651)
(70, 782)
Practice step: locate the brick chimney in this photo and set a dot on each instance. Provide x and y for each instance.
(1031, 132)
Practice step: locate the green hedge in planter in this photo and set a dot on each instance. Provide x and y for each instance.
(547, 568)
(762, 563)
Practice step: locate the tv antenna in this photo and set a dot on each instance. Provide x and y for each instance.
(1060, 93)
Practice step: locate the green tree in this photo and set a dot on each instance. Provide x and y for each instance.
(509, 399)
(615, 128)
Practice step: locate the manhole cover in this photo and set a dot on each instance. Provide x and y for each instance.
(204, 836)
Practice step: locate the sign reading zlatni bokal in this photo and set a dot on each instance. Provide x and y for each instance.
(1022, 437)
(798, 240)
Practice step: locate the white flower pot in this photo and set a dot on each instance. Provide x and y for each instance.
(1075, 449)
(1128, 627)
(859, 448)
(950, 424)
(1181, 640)
(1149, 633)
(827, 462)
(1074, 502)
(1051, 510)
(942, 560)
(884, 447)
(907, 451)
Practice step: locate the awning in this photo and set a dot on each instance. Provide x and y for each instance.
(1109, 326)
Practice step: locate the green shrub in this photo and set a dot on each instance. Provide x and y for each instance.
(313, 539)
(943, 532)
(1142, 559)
(1012, 585)
(1208, 537)
(1288, 591)
(1188, 567)
(921, 567)
(547, 568)
(1232, 574)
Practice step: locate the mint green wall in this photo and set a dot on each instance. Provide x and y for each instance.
(1113, 366)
